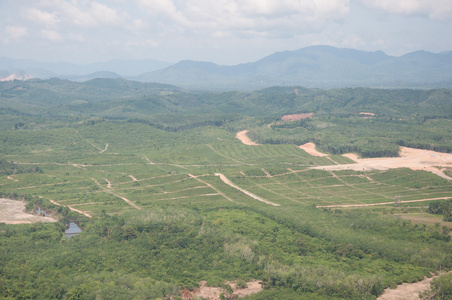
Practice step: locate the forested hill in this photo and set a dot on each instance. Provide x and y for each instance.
(315, 66)
(401, 117)
(119, 98)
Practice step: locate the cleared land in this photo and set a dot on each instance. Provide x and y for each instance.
(245, 139)
(310, 148)
(297, 117)
(12, 212)
(414, 159)
(213, 293)
(408, 290)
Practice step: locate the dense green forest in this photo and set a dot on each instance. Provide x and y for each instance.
(137, 167)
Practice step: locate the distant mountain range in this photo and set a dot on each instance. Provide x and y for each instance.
(315, 66)
(72, 71)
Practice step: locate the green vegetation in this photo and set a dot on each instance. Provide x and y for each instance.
(141, 162)
(441, 208)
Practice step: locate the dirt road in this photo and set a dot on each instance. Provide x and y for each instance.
(228, 182)
(381, 203)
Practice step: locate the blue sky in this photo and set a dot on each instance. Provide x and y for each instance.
(222, 31)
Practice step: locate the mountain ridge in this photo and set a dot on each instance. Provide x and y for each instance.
(319, 66)
(315, 66)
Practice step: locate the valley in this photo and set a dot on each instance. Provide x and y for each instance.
(178, 190)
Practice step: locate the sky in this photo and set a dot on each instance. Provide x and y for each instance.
(225, 32)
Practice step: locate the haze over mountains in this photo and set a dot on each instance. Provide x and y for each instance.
(315, 66)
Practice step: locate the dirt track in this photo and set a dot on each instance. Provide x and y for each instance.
(228, 182)
(381, 203)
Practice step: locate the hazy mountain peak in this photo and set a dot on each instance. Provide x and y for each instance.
(314, 66)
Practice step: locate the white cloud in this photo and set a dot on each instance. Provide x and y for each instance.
(246, 17)
(434, 9)
(50, 35)
(84, 13)
(43, 17)
(104, 14)
(155, 7)
(152, 43)
(76, 37)
(16, 32)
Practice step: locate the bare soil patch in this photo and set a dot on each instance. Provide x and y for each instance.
(213, 293)
(297, 117)
(244, 138)
(366, 114)
(407, 290)
(415, 159)
(13, 212)
(310, 149)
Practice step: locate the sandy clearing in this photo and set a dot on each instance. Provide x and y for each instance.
(415, 159)
(213, 293)
(310, 149)
(297, 117)
(228, 182)
(407, 291)
(13, 212)
(242, 136)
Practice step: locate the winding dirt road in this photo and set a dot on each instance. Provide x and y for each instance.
(228, 182)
